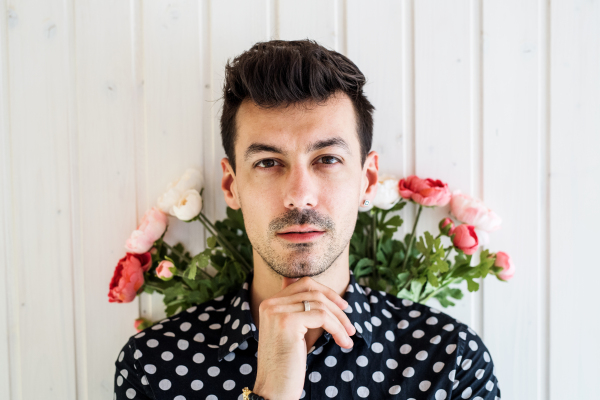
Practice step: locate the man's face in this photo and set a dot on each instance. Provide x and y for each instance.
(298, 167)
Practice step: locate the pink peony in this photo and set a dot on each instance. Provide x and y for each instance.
(165, 270)
(128, 277)
(508, 268)
(473, 212)
(426, 192)
(153, 225)
(465, 238)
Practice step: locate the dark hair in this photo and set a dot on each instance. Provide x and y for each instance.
(280, 73)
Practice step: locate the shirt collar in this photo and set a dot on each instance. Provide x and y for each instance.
(233, 333)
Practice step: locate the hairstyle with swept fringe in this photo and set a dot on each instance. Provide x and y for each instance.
(280, 73)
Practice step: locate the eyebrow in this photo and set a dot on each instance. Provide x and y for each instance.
(336, 141)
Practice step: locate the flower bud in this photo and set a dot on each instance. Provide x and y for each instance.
(141, 323)
(446, 226)
(508, 268)
(165, 270)
(465, 239)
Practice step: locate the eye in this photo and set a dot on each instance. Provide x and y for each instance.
(330, 157)
(267, 160)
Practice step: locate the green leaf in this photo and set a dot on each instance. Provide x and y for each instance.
(211, 242)
(472, 286)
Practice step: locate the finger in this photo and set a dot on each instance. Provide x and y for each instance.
(313, 296)
(321, 317)
(285, 281)
(307, 284)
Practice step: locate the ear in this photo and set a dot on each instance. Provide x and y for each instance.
(369, 177)
(229, 185)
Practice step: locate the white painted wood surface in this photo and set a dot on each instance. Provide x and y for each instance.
(103, 103)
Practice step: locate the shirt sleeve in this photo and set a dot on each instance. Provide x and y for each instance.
(474, 376)
(130, 380)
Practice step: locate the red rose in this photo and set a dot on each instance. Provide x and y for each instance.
(128, 277)
(426, 192)
(465, 238)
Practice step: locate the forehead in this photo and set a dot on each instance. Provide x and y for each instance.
(292, 127)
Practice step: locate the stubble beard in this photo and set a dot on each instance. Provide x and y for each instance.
(297, 260)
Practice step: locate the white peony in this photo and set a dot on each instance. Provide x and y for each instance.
(191, 179)
(387, 193)
(188, 206)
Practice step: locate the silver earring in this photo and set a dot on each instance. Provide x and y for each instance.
(367, 202)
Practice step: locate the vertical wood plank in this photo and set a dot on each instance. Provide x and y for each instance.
(312, 19)
(513, 108)
(6, 220)
(447, 133)
(574, 199)
(379, 42)
(172, 140)
(40, 275)
(107, 97)
(230, 35)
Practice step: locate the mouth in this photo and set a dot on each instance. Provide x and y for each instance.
(301, 233)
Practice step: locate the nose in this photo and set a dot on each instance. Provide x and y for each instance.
(300, 188)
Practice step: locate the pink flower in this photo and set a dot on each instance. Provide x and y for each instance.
(465, 239)
(137, 323)
(141, 323)
(165, 270)
(473, 212)
(508, 268)
(446, 226)
(153, 225)
(426, 192)
(128, 277)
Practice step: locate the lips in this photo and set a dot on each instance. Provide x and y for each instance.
(301, 229)
(301, 234)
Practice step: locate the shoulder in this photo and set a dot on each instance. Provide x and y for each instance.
(200, 324)
(406, 313)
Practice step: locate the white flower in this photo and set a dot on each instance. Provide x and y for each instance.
(191, 179)
(387, 193)
(188, 206)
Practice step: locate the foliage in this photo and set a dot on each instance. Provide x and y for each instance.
(415, 269)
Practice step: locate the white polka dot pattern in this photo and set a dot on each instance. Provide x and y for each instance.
(209, 351)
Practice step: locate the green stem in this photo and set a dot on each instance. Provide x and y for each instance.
(223, 241)
(412, 238)
(182, 256)
(155, 287)
(374, 238)
(430, 295)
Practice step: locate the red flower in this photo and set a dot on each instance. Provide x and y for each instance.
(426, 192)
(128, 277)
(465, 238)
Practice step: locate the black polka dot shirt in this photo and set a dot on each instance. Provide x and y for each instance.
(402, 350)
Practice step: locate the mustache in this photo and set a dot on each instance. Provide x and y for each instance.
(301, 217)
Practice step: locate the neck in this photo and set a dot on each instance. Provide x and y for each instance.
(266, 282)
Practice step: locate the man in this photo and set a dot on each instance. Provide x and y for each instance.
(297, 130)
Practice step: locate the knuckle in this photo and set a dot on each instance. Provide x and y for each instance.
(264, 305)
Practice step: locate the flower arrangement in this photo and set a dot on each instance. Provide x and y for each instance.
(414, 268)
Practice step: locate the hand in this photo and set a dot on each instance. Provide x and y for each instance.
(282, 350)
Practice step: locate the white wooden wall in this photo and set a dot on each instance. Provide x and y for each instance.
(103, 102)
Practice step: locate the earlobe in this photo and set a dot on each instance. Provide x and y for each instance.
(228, 185)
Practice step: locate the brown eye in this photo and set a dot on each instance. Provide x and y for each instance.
(267, 161)
(330, 158)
